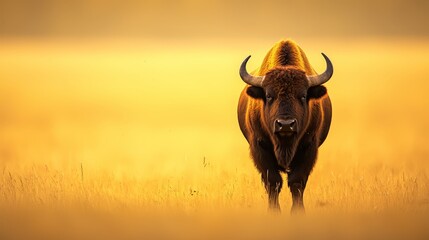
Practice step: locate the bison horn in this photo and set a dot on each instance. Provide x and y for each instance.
(315, 80)
(249, 79)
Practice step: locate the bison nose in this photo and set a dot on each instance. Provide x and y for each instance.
(285, 125)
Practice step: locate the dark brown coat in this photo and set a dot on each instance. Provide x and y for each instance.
(285, 94)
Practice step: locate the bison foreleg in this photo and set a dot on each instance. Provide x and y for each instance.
(273, 184)
(266, 164)
(300, 169)
(297, 190)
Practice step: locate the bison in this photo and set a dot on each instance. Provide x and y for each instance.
(285, 114)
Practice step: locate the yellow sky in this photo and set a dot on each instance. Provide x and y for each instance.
(214, 19)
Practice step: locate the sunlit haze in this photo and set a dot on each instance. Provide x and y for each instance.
(129, 109)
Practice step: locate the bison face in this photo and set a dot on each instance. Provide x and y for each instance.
(285, 101)
(285, 92)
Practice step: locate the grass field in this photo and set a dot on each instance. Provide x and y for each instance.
(139, 139)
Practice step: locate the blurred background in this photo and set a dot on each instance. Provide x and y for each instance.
(190, 19)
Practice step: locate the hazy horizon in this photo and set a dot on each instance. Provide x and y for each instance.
(214, 19)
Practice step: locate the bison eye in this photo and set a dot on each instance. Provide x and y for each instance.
(269, 98)
(304, 98)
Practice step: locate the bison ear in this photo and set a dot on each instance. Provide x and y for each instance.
(316, 92)
(255, 92)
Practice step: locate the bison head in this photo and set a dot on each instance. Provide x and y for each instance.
(286, 92)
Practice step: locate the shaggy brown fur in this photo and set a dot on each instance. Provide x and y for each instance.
(285, 93)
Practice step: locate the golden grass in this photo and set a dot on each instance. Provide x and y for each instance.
(210, 202)
(372, 187)
(98, 140)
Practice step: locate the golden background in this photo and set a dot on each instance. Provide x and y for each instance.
(127, 110)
